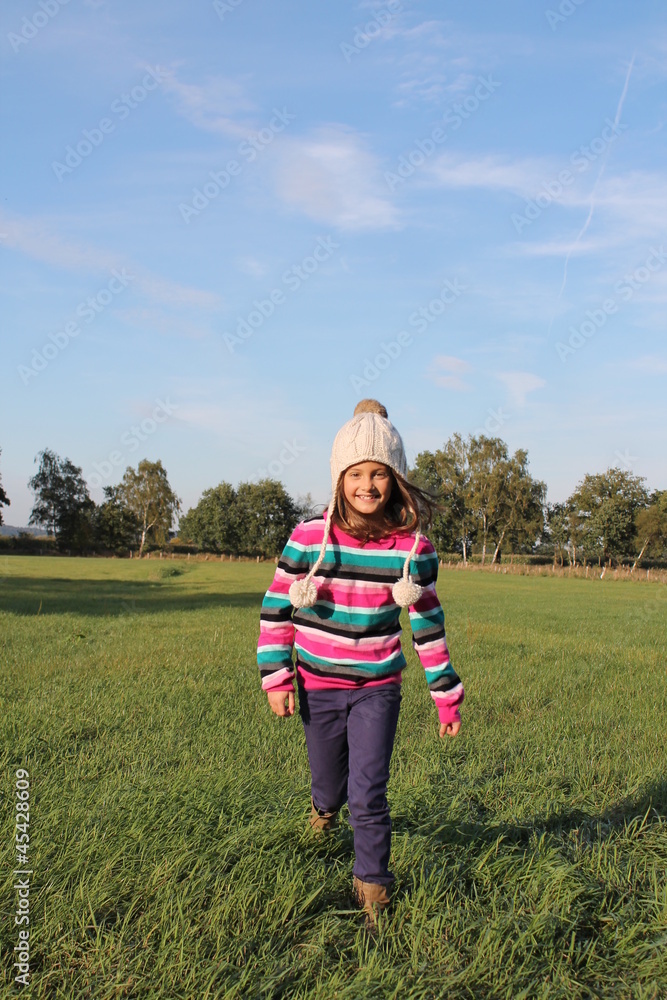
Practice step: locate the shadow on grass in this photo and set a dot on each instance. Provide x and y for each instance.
(22, 595)
(633, 814)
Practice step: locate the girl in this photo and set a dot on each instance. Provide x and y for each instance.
(336, 597)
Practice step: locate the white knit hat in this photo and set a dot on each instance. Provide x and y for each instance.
(367, 437)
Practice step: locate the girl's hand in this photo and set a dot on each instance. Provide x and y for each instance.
(451, 729)
(281, 702)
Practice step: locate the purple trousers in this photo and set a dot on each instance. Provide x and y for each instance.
(350, 737)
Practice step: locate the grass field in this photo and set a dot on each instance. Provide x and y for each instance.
(168, 807)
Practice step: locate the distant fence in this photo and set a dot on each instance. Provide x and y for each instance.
(654, 574)
(517, 565)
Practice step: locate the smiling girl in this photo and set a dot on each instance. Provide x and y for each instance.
(336, 599)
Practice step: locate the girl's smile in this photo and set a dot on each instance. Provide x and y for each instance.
(367, 487)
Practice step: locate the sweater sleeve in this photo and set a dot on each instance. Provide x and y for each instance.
(427, 620)
(276, 630)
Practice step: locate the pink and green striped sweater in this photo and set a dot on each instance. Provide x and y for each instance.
(352, 636)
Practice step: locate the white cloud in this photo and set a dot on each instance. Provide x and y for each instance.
(492, 172)
(519, 384)
(331, 176)
(446, 371)
(430, 84)
(630, 207)
(212, 105)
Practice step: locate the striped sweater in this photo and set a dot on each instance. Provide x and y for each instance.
(352, 636)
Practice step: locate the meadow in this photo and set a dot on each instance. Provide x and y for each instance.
(168, 808)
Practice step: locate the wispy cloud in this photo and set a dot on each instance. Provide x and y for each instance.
(331, 176)
(165, 323)
(648, 364)
(491, 172)
(519, 385)
(556, 248)
(446, 371)
(432, 68)
(632, 206)
(212, 105)
(36, 239)
(253, 266)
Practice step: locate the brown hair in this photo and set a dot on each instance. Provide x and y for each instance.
(408, 509)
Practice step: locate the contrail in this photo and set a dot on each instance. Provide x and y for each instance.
(591, 209)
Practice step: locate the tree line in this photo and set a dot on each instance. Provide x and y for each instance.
(489, 499)
(138, 510)
(487, 503)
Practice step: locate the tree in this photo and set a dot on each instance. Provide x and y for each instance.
(62, 504)
(4, 499)
(446, 474)
(213, 523)
(148, 496)
(651, 525)
(558, 527)
(306, 506)
(520, 516)
(116, 528)
(266, 517)
(483, 493)
(604, 507)
(488, 472)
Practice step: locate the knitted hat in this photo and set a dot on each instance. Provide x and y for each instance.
(367, 437)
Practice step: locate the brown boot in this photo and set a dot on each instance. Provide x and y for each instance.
(322, 822)
(372, 898)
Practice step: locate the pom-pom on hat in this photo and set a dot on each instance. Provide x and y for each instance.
(368, 437)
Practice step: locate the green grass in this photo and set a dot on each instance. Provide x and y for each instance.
(168, 807)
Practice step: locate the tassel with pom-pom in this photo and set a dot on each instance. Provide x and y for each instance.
(303, 593)
(405, 592)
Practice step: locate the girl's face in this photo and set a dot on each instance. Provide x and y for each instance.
(367, 487)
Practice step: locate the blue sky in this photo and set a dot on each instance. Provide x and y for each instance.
(224, 223)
